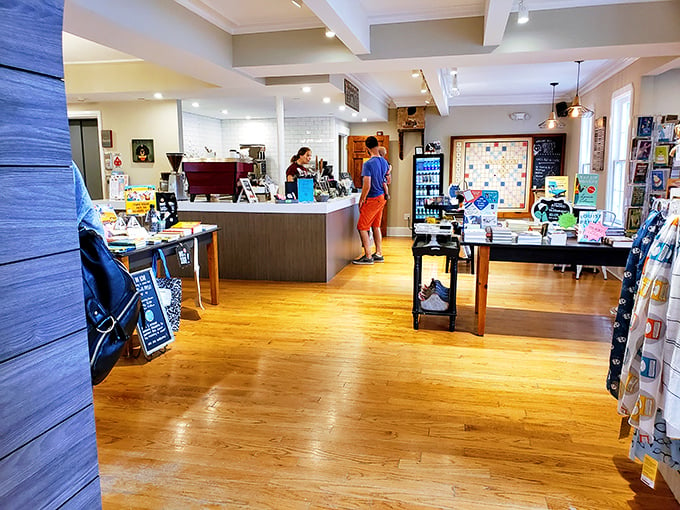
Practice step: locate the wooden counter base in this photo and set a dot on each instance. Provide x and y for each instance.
(284, 247)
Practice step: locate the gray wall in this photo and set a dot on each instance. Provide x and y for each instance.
(48, 450)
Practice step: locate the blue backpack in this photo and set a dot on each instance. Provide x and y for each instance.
(112, 303)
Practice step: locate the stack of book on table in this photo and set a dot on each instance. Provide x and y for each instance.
(618, 241)
(474, 235)
(529, 237)
(501, 235)
(123, 243)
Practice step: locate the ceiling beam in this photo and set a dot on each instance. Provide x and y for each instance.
(433, 78)
(347, 19)
(496, 13)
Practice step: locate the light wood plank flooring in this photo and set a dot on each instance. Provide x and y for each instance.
(320, 396)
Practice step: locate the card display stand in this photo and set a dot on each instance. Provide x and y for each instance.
(444, 247)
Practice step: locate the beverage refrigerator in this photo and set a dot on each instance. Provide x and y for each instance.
(428, 182)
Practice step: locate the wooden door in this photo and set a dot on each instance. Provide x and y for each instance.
(356, 153)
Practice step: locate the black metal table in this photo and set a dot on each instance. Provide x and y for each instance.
(448, 248)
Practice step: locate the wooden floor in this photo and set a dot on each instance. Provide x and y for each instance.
(320, 396)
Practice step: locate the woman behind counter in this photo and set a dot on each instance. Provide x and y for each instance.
(296, 168)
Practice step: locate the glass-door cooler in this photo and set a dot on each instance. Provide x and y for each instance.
(428, 182)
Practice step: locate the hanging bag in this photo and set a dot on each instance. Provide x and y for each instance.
(112, 303)
(172, 300)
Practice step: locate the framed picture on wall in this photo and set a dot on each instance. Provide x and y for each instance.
(142, 151)
(500, 163)
(419, 149)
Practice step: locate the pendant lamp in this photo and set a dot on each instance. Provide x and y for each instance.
(551, 122)
(577, 110)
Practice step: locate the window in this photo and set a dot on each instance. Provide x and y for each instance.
(618, 149)
(586, 150)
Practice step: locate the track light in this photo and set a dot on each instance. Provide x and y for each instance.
(522, 13)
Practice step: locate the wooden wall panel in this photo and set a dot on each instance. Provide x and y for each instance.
(38, 228)
(42, 301)
(67, 462)
(41, 389)
(30, 35)
(342, 239)
(89, 498)
(34, 128)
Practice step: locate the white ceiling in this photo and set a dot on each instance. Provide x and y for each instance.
(192, 38)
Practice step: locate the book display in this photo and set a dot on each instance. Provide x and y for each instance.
(652, 166)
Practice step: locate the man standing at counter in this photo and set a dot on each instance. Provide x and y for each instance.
(371, 203)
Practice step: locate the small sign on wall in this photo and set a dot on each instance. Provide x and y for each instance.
(351, 95)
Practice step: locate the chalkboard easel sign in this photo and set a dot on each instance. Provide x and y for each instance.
(153, 327)
(548, 158)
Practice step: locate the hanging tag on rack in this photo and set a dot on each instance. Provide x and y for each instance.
(649, 468)
(183, 255)
(624, 429)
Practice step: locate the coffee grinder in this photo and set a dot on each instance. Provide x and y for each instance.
(176, 179)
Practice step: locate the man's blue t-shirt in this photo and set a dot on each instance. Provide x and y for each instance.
(376, 168)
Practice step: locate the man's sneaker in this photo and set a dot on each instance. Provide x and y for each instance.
(378, 258)
(364, 260)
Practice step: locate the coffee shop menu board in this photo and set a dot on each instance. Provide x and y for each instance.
(153, 327)
(548, 158)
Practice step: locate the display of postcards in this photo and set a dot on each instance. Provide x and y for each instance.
(642, 149)
(639, 171)
(637, 197)
(658, 179)
(644, 126)
(670, 118)
(665, 132)
(661, 155)
(633, 218)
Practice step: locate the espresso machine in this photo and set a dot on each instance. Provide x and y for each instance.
(257, 154)
(177, 179)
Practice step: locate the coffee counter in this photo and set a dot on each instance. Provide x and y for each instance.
(308, 242)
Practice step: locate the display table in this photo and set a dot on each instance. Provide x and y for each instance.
(573, 253)
(303, 242)
(142, 257)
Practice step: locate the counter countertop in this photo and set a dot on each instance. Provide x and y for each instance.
(260, 207)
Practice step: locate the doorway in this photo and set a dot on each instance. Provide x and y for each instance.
(86, 154)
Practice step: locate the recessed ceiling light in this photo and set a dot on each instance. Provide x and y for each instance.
(195, 104)
(326, 99)
(296, 3)
(225, 112)
(415, 73)
(427, 101)
(453, 72)
(354, 114)
(248, 117)
(364, 119)
(158, 95)
(342, 108)
(329, 33)
(306, 89)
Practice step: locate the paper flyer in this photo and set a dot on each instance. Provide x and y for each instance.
(138, 199)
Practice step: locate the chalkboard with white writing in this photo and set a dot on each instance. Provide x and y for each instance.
(548, 158)
(152, 327)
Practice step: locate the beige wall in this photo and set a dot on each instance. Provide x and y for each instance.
(600, 98)
(156, 120)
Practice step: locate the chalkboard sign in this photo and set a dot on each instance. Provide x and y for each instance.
(546, 209)
(152, 327)
(548, 158)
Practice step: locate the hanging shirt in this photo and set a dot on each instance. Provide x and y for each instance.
(641, 374)
(629, 286)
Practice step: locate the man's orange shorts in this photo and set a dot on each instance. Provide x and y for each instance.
(371, 213)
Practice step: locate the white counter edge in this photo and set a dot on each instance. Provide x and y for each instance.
(261, 207)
